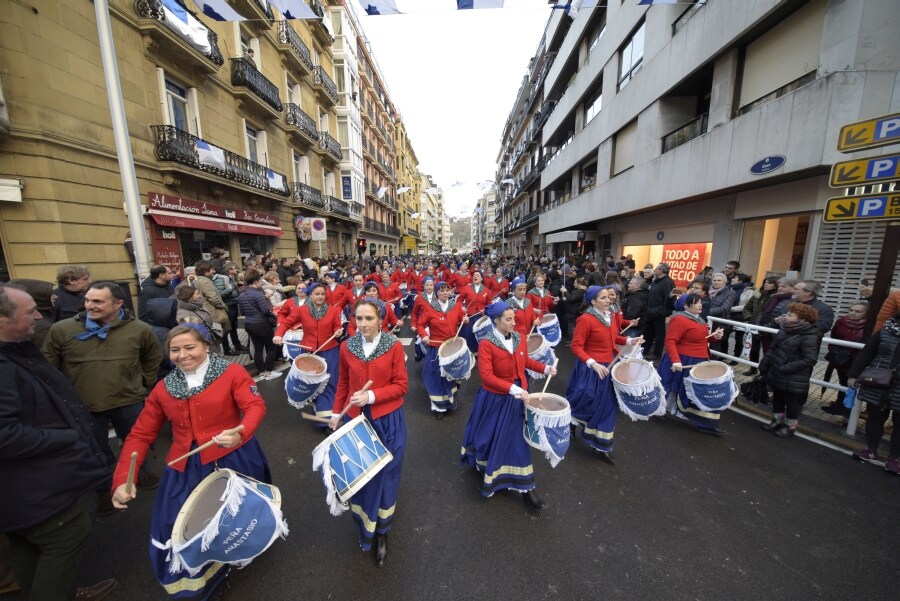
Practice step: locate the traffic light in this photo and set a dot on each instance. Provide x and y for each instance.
(579, 244)
(360, 245)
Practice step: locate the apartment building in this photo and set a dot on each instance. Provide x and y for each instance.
(704, 131)
(409, 189)
(484, 227)
(431, 203)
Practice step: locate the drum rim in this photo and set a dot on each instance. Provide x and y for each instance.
(652, 370)
(709, 362)
(444, 343)
(543, 342)
(551, 317)
(555, 412)
(308, 355)
(334, 435)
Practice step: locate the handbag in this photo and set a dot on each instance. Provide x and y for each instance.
(876, 377)
(838, 357)
(756, 391)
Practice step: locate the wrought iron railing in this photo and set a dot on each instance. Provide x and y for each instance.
(287, 35)
(374, 226)
(153, 9)
(412, 232)
(305, 194)
(295, 116)
(173, 144)
(330, 145)
(266, 8)
(320, 78)
(393, 231)
(687, 132)
(245, 73)
(356, 210)
(336, 205)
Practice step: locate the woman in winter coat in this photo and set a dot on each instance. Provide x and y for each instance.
(191, 309)
(849, 328)
(572, 300)
(259, 322)
(752, 310)
(882, 350)
(784, 291)
(788, 365)
(744, 291)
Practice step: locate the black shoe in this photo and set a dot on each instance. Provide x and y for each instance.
(772, 425)
(605, 456)
(439, 415)
(99, 591)
(380, 550)
(784, 431)
(533, 501)
(751, 372)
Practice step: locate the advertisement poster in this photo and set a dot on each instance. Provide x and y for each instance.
(303, 227)
(685, 261)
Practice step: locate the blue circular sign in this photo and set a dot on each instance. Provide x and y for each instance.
(767, 164)
(660, 235)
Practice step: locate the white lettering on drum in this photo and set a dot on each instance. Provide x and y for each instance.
(243, 538)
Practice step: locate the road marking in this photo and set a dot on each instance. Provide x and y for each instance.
(405, 341)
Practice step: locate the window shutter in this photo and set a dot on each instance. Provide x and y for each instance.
(625, 145)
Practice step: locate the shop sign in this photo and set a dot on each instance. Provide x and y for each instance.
(685, 261)
(873, 133)
(346, 187)
(767, 165)
(168, 202)
(863, 208)
(166, 248)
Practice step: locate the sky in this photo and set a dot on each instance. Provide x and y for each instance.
(453, 75)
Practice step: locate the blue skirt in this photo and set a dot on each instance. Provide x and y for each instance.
(441, 391)
(174, 489)
(673, 382)
(493, 443)
(593, 405)
(373, 506)
(467, 333)
(325, 401)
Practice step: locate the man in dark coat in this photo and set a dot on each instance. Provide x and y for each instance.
(156, 285)
(659, 306)
(50, 454)
(73, 281)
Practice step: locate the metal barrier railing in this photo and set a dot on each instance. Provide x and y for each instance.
(754, 329)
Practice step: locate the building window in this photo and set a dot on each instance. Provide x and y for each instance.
(588, 175)
(687, 15)
(343, 137)
(300, 165)
(593, 103)
(177, 105)
(252, 144)
(631, 57)
(623, 148)
(597, 33)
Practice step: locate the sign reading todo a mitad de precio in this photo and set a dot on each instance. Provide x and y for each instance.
(872, 207)
(848, 174)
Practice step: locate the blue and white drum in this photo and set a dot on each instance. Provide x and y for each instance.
(541, 351)
(291, 346)
(547, 419)
(711, 386)
(307, 379)
(639, 389)
(549, 328)
(229, 518)
(482, 327)
(349, 458)
(455, 359)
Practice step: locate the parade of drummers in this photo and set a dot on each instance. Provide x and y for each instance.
(401, 300)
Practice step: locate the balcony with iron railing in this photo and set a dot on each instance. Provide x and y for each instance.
(203, 54)
(531, 217)
(295, 49)
(331, 148)
(412, 232)
(258, 13)
(324, 86)
(337, 206)
(393, 230)
(251, 86)
(374, 226)
(180, 147)
(687, 132)
(304, 129)
(356, 210)
(318, 28)
(304, 194)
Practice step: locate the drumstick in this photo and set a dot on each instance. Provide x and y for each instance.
(296, 344)
(547, 381)
(626, 329)
(347, 406)
(129, 484)
(333, 336)
(315, 418)
(206, 445)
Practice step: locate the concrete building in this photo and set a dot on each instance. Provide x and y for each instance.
(432, 214)
(701, 133)
(484, 226)
(407, 169)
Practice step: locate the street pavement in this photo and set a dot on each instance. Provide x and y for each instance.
(683, 515)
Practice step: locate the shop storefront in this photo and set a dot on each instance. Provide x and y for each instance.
(685, 261)
(183, 230)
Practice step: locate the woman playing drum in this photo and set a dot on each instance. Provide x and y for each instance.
(320, 321)
(493, 441)
(590, 391)
(221, 396)
(474, 297)
(372, 354)
(525, 316)
(442, 318)
(540, 297)
(423, 301)
(390, 318)
(687, 344)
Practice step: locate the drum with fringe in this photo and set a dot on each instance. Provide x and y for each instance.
(482, 327)
(306, 380)
(711, 386)
(455, 359)
(549, 328)
(291, 346)
(349, 458)
(547, 419)
(541, 351)
(229, 518)
(639, 390)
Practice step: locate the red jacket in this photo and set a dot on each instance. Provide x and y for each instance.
(419, 307)
(230, 400)
(461, 281)
(499, 368)
(405, 276)
(335, 297)
(542, 304)
(501, 287)
(315, 331)
(593, 340)
(440, 325)
(387, 324)
(686, 337)
(350, 297)
(285, 310)
(524, 319)
(388, 375)
(389, 294)
(474, 302)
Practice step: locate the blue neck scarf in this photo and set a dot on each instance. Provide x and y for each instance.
(92, 328)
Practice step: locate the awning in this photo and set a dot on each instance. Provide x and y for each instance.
(198, 222)
(570, 236)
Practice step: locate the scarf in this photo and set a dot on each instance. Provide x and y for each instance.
(176, 383)
(436, 304)
(92, 328)
(492, 336)
(690, 316)
(604, 319)
(893, 326)
(355, 346)
(796, 326)
(539, 292)
(714, 292)
(513, 302)
(317, 312)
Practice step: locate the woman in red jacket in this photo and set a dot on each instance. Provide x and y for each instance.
(525, 315)
(474, 297)
(590, 392)
(493, 441)
(498, 285)
(203, 398)
(388, 321)
(442, 319)
(320, 321)
(687, 344)
(541, 298)
(372, 354)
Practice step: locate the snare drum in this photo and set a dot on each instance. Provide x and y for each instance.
(549, 328)
(306, 380)
(292, 348)
(541, 351)
(547, 419)
(455, 359)
(638, 388)
(229, 518)
(482, 327)
(711, 386)
(349, 458)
